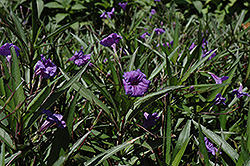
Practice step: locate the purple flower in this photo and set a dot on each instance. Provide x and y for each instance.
(204, 43)
(135, 83)
(170, 44)
(192, 46)
(205, 53)
(111, 12)
(52, 119)
(80, 59)
(45, 68)
(150, 119)
(159, 31)
(153, 11)
(123, 5)
(239, 92)
(110, 40)
(219, 99)
(191, 89)
(144, 35)
(210, 147)
(158, 0)
(218, 80)
(105, 60)
(105, 14)
(5, 50)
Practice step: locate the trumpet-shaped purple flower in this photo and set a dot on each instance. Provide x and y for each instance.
(144, 35)
(150, 119)
(206, 53)
(45, 68)
(159, 31)
(123, 5)
(52, 119)
(239, 92)
(80, 59)
(5, 50)
(135, 83)
(110, 40)
(219, 99)
(210, 147)
(218, 80)
(158, 0)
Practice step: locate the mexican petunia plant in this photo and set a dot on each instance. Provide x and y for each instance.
(142, 90)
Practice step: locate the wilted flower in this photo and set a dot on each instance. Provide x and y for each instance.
(192, 46)
(80, 59)
(52, 119)
(144, 35)
(159, 31)
(135, 83)
(110, 40)
(150, 119)
(45, 68)
(239, 92)
(206, 53)
(123, 5)
(210, 147)
(219, 99)
(5, 50)
(218, 80)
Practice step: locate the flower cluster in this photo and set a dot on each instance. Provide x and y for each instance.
(5, 50)
(80, 59)
(52, 119)
(239, 92)
(123, 5)
(110, 40)
(159, 31)
(45, 68)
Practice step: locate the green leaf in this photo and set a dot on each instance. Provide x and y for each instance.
(53, 5)
(60, 16)
(34, 21)
(198, 5)
(131, 65)
(183, 137)
(89, 95)
(2, 154)
(179, 155)
(16, 77)
(61, 160)
(108, 153)
(5, 137)
(194, 67)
